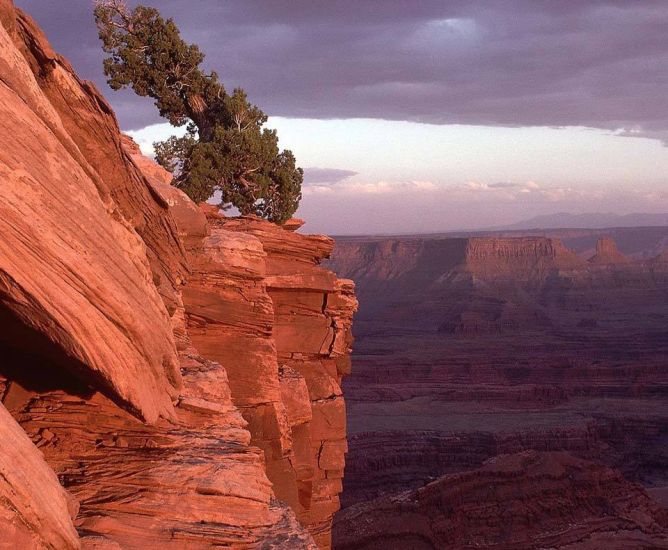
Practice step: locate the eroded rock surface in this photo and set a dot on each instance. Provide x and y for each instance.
(608, 253)
(35, 511)
(520, 501)
(469, 348)
(258, 303)
(312, 331)
(71, 267)
(143, 382)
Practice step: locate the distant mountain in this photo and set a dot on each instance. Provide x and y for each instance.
(588, 221)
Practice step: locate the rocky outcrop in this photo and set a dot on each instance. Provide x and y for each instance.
(520, 501)
(417, 261)
(90, 124)
(258, 303)
(193, 481)
(637, 243)
(312, 321)
(149, 397)
(525, 258)
(101, 310)
(481, 285)
(608, 253)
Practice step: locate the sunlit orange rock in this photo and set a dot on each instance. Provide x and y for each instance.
(139, 364)
(258, 303)
(72, 267)
(35, 511)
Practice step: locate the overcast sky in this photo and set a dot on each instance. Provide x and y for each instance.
(419, 115)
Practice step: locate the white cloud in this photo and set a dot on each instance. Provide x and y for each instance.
(369, 188)
(469, 192)
(145, 137)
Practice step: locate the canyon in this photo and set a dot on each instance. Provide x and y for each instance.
(172, 377)
(169, 377)
(479, 353)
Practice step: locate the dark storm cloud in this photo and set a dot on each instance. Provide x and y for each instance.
(498, 62)
(313, 176)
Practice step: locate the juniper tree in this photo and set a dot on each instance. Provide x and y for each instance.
(226, 147)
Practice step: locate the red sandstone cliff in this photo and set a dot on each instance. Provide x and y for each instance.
(171, 381)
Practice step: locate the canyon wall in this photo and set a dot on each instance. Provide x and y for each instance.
(258, 303)
(168, 377)
(493, 284)
(472, 348)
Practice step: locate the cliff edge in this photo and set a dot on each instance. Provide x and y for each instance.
(168, 377)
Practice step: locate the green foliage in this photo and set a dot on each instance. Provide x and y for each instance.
(225, 148)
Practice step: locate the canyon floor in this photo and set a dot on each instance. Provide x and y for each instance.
(472, 351)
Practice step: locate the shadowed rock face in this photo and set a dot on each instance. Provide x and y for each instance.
(491, 284)
(519, 501)
(154, 390)
(469, 348)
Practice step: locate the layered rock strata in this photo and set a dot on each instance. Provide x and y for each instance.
(119, 431)
(521, 501)
(35, 511)
(258, 303)
(608, 253)
(101, 309)
(312, 320)
(469, 348)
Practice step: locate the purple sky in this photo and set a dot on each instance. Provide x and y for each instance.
(461, 64)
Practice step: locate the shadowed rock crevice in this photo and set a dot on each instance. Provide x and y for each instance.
(29, 358)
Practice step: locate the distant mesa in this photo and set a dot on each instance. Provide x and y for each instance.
(521, 257)
(608, 253)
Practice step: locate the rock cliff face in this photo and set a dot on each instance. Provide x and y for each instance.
(416, 261)
(521, 501)
(312, 316)
(258, 304)
(160, 380)
(491, 284)
(110, 316)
